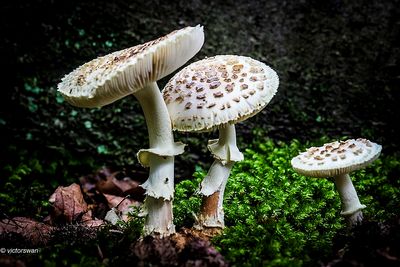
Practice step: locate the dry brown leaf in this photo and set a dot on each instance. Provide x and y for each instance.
(69, 205)
(106, 181)
(38, 233)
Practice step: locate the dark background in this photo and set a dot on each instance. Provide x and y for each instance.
(337, 62)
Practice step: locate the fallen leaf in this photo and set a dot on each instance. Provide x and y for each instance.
(108, 181)
(69, 205)
(38, 233)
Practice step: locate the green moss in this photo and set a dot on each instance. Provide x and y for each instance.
(275, 217)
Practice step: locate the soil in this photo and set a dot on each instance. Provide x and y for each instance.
(370, 244)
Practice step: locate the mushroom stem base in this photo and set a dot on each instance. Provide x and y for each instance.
(159, 217)
(351, 206)
(354, 219)
(212, 189)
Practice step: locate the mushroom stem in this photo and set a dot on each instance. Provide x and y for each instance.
(351, 206)
(212, 189)
(213, 185)
(227, 135)
(156, 114)
(160, 184)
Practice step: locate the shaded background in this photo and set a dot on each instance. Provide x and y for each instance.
(337, 62)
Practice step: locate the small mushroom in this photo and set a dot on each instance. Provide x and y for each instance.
(226, 110)
(135, 70)
(341, 161)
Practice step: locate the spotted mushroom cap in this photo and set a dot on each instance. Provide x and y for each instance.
(218, 90)
(336, 158)
(109, 78)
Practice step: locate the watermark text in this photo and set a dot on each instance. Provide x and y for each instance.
(19, 250)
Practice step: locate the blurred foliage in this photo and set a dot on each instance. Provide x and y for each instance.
(276, 217)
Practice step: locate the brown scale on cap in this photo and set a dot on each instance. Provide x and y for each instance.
(189, 85)
(243, 86)
(181, 81)
(188, 105)
(229, 87)
(80, 80)
(218, 94)
(179, 99)
(202, 96)
(199, 88)
(237, 67)
(213, 79)
(167, 100)
(140, 48)
(211, 105)
(215, 85)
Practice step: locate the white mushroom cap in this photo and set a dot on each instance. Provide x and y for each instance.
(336, 158)
(218, 90)
(109, 78)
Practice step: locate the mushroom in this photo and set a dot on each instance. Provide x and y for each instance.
(337, 160)
(135, 71)
(216, 93)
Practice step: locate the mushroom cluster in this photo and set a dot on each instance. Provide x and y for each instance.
(135, 71)
(210, 94)
(337, 159)
(216, 93)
